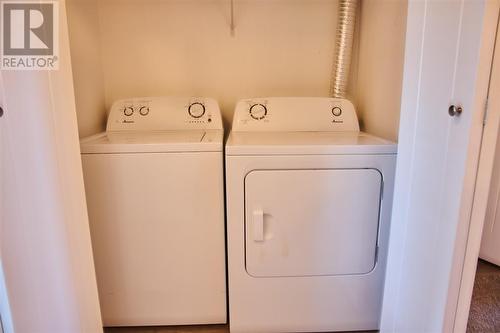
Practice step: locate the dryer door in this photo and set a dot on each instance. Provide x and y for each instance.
(311, 222)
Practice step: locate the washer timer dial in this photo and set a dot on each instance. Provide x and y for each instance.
(196, 110)
(258, 111)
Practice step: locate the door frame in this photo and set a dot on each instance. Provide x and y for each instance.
(471, 224)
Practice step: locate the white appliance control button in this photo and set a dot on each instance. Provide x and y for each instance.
(144, 110)
(196, 110)
(336, 111)
(258, 111)
(128, 111)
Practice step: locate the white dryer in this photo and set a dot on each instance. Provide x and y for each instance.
(308, 211)
(154, 188)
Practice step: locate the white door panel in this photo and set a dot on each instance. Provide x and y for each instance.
(441, 68)
(6, 324)
(311, 222)
(46, 253)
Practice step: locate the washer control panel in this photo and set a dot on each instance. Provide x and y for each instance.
(295, 114)
(164, 113)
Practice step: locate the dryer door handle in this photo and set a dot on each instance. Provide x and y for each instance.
(258, 225)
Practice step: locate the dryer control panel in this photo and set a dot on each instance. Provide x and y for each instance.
(164, 113)
(295, 114)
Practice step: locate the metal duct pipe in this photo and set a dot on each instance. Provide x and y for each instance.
(343, 47)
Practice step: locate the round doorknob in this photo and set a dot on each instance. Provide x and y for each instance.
(454, 110)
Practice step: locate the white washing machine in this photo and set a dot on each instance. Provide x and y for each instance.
(154, 188)
(308, 212)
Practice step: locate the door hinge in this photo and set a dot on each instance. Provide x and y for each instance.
(485, 115)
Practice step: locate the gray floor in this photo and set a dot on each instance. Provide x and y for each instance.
(485, 306)
(171, 329)
(484, 313)
(180, 329)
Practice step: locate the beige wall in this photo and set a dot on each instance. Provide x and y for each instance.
(84, 30)
(280, 48)
(379, 78)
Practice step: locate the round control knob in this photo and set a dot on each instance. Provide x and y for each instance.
(258, 111)
(196, 110)
(144, 110)
(128, 111)
(336, 111)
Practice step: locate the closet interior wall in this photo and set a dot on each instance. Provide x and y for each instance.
(127, 48)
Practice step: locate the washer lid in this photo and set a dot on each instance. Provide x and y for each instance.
(307, 143)
(153, 142)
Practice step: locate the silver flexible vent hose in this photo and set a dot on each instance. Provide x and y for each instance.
(343, 47)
